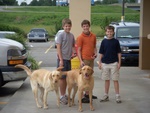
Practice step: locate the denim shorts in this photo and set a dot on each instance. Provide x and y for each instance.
(67, 66)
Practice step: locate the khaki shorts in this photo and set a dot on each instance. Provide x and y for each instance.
(89, 63)
(110, 71)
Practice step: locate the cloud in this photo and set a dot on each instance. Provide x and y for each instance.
(28, 1)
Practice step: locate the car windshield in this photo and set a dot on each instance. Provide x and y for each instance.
(4, 35)
(37, 30)
(127, 32)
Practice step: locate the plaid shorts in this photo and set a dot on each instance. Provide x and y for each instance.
(67, 66)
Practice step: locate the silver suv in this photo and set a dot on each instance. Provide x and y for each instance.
(128, 35)
(11, 53)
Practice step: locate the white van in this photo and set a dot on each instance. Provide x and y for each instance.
(11, 54)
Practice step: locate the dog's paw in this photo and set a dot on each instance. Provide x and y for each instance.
(92, 109)
(39, 106)
(80, 109)
(45, 107)
(69, 104)
(73, 104)
(58, 105)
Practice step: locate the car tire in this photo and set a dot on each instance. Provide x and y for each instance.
(30, 40)
(1, 79)
(46, 40)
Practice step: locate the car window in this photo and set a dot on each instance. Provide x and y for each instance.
(37, 30)
(127, 32)
(4, 35)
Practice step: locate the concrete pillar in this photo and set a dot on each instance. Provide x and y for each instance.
(144, 54)
(78, 11)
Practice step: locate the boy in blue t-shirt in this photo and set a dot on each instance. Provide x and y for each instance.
(110, 62)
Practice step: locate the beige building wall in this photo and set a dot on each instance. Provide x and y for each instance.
(78, 11)
(144, 54)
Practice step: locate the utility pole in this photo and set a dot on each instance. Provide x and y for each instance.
(123, 17)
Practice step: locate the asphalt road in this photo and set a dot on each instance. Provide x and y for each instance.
(45, 53)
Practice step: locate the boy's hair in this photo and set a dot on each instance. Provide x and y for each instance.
(110, 28)
(66, 21)
(85, 22)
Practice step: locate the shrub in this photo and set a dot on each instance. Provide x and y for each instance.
(4, 27)
(18, 38)
(34, 64)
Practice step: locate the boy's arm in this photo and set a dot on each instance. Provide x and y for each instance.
(100, 61)
(74, 54)
(95, 50)
(95, 53)
(119, 60)
(59, 54)
(79, 56)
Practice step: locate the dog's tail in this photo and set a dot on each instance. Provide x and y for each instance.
(28, 71)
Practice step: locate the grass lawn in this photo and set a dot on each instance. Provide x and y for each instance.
(28, 17)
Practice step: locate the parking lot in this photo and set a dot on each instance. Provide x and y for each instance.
(134, 89)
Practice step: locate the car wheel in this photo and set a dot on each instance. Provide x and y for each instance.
(30, 40)
(1, 79)
(46, 40)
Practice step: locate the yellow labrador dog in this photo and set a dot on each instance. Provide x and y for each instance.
(81, 80)
(45, 81)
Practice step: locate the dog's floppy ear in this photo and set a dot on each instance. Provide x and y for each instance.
(64, 72)
(50, 76)
(80, 71)
(92, 71)
(60, 68)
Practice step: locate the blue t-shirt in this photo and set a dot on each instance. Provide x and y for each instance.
(110, 49)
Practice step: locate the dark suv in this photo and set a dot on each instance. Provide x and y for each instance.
(128, 35)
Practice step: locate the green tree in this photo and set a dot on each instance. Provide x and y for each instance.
(132, 1)
(43, 3)
(98, 2)
(23, 4)
(8, 2)
(109, 1)
(34, 3)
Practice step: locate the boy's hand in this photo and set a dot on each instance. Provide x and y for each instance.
(82, 64)
(119, 66)
(99, 65)
(73, 55)
(94, 56)
(61, 63)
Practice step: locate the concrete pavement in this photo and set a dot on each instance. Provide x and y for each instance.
(134, 90)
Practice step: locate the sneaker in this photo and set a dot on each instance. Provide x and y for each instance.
(87, 96)
(104, 98)
(64, 100)
(66, 96)
(85, 100)
(118, 99)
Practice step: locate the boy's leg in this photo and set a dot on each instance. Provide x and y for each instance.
(116, 85)
(107, 84)
(106, 77)
(63, 83)
(115, 78)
